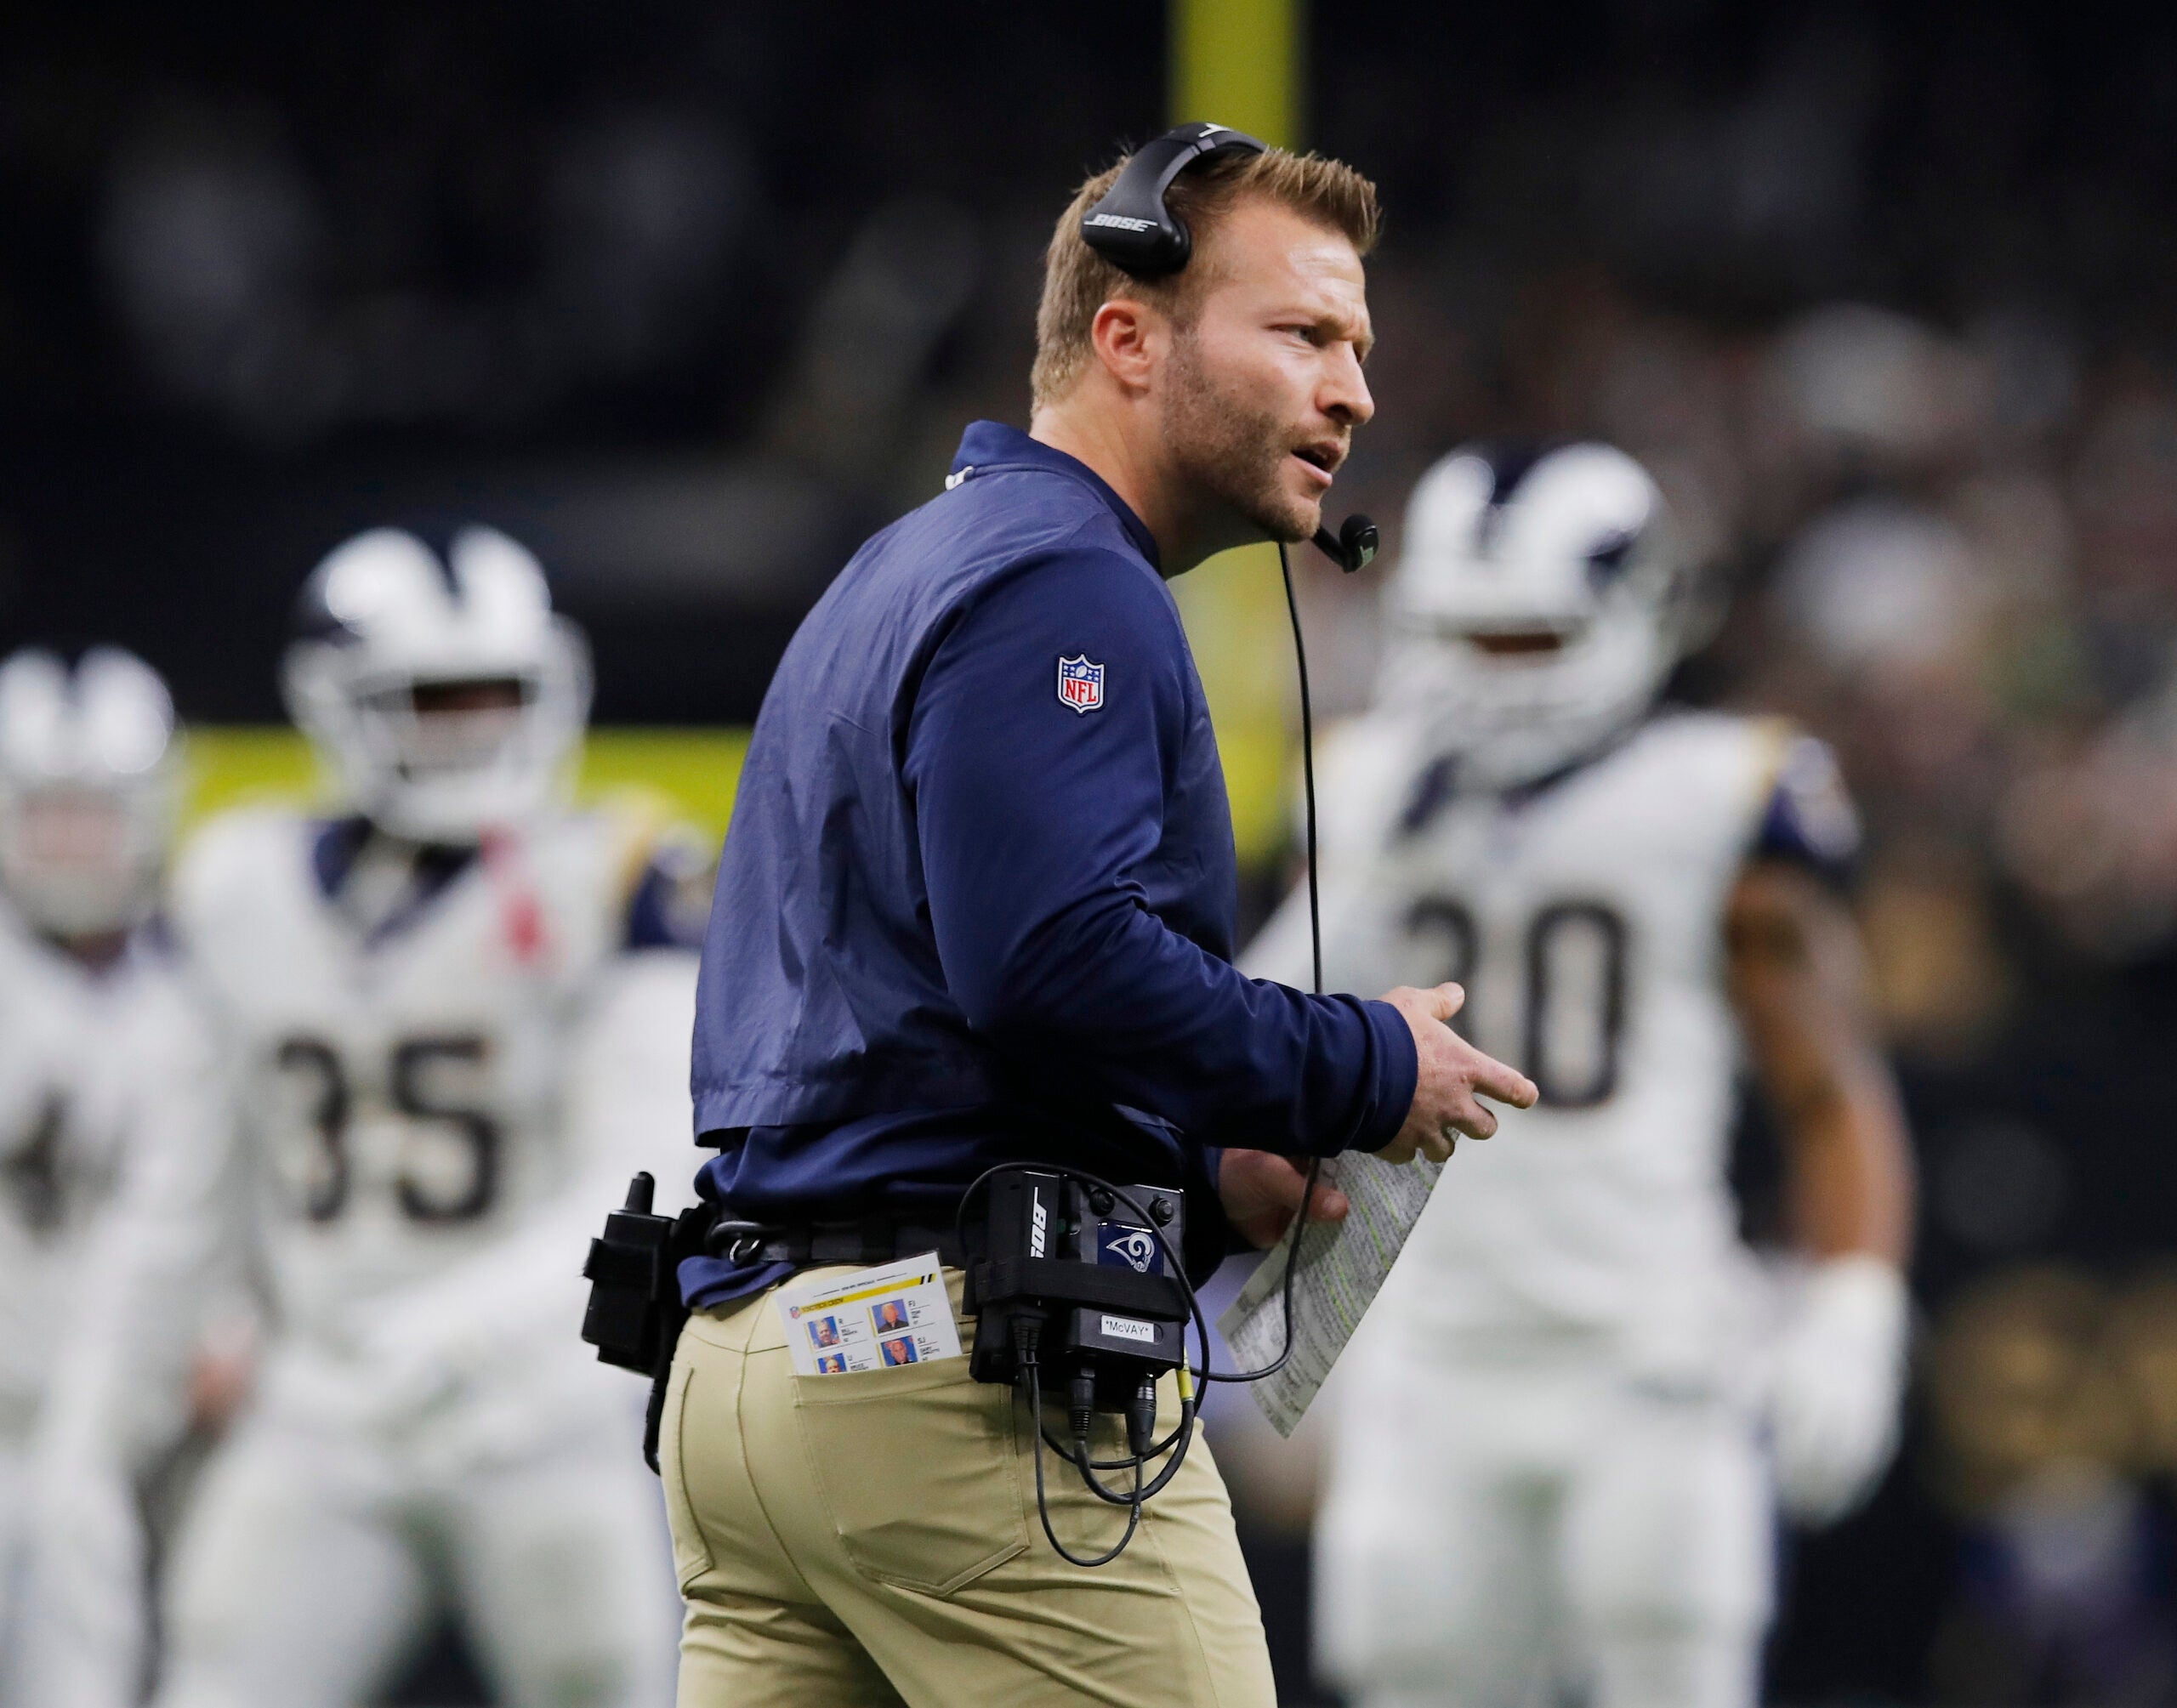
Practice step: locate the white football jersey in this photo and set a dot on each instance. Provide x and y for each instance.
(411, 1098)
(95, 1068)
(1583, 915)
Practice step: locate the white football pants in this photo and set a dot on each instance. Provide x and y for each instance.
(308, 1568)
(1496, 1529)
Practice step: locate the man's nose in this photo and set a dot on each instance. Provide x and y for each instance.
(1344, 396)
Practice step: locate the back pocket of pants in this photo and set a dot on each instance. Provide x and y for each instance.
(916, 1468)
(692, 1550)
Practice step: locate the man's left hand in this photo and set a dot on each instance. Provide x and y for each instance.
(1261, 1194)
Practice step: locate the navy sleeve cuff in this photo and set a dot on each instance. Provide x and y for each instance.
(1397, 1064)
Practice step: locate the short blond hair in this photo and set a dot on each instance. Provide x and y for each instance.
(1078, 282)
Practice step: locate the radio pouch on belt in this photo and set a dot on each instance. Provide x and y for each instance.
(635, 1314)
(1066, 1255)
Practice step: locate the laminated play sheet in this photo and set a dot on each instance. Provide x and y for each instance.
(1341, 1265)
(878, 1319)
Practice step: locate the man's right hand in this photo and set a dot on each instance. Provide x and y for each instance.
(1454, 1077)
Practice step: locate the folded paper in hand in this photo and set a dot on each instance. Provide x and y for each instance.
(1342, 1264)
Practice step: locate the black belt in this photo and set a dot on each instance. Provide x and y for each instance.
(805, 1245)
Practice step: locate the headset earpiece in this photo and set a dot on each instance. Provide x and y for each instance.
(1353, 547)
(1131, 227)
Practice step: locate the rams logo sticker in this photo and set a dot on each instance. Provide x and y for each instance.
(1080, 683)
(1133, 1248)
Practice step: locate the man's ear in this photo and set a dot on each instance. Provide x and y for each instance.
(1130, 339)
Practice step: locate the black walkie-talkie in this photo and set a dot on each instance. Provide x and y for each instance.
(634, 1316)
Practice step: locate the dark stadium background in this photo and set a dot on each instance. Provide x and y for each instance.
(691, 297)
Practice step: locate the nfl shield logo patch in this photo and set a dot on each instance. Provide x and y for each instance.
(1080, 683)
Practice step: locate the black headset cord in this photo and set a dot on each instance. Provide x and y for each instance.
(1182, 1434)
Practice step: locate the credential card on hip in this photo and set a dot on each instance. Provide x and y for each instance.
(878, 1319)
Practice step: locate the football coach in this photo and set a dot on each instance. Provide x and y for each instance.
(977, 906)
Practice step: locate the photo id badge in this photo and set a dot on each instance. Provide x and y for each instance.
(880, 1319)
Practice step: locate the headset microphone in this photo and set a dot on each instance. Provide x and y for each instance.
(1353, 547)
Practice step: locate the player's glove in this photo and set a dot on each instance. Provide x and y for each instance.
(1839, 1369)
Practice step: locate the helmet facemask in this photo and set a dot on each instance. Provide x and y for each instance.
(88, 789)
(445, 705)
(1529, 627)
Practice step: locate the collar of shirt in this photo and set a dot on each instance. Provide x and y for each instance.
(337, 848)
(988, 445)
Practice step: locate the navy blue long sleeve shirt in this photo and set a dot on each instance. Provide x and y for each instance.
(977, 901)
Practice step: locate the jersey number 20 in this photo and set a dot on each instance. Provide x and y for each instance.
(1573, 956)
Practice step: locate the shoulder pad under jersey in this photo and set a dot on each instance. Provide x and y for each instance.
(664, 872)
(229, 860)
(1809, 819)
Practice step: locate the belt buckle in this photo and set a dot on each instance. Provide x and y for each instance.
(746, 1243)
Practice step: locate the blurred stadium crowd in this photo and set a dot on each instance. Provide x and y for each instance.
(689, 298)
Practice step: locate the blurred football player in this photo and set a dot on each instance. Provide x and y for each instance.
(445, 1059)
(1564, 1422)
(98, 1054)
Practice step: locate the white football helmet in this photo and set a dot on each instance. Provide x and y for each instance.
(89, 786)
(1566, 556)
(385, 619)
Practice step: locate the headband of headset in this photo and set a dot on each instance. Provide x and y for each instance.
(1131, 227)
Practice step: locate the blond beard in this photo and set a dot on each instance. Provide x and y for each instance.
(1229, 449)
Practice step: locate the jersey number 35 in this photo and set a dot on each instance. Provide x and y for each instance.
(448, 1164)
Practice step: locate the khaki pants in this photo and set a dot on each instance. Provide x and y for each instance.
(872, 1538)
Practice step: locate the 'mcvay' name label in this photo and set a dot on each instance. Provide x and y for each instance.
(1127, 1329)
